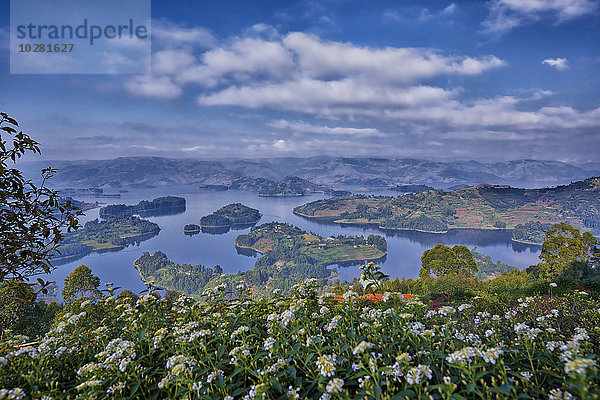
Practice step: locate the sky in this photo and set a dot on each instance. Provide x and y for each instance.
(465, 80)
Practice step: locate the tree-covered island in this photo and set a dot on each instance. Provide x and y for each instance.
(526, 211)
(160, 206)
(112, 234)
(289, 256)
(234, 214)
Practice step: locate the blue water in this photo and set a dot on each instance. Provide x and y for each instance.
(404, 248)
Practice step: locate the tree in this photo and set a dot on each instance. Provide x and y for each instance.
(81, 283)
(443, 260)
(564, 247)
(32, 218)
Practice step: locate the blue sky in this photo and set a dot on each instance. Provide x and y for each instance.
(495, 80)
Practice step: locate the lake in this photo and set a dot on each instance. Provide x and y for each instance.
(404, 248)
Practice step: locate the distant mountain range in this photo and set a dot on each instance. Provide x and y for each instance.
(131, 172)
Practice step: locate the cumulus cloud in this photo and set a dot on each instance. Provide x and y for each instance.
(327, 98)
(171, 61)
(505, 15)
(151, 86)
(302, 73)
(333, 60)
(558, 63)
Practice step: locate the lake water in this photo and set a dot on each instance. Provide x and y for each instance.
(404, 248)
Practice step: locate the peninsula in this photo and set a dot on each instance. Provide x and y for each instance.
(478, 207)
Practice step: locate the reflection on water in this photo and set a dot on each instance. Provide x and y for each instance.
(244, 251)
(161, 212)
(216, 230)
(219, 230)
(209, 248)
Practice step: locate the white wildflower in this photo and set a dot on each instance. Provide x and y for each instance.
(335, 385)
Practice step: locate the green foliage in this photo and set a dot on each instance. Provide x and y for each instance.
(112, 233)
(289, 256)
(455, 286)
(230, 215)
(531, 232)
(377, 241)
(20, 313)
(564, 246)
(480, 207)
(311, 346)
(487, 268)
(81, 283)
(443, 260)
(185, 278)
(374, 278)
(32, 218)
(158, 206)
(191, 228)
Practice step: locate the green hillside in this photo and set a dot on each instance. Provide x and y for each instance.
(480, 207)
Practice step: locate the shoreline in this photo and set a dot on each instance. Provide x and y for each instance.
(333, 220)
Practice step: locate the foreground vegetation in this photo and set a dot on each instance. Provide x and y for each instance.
(482, 207)
(309, 346)
(457, 337)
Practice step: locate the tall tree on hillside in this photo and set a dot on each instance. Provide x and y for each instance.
(443, 260)
(565, 246)
(81, 283)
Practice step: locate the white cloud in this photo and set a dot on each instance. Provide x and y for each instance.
(301, 60)
(171, 61)
(450, 9)
(304, 127)
(420, 14)
(508, 14)
(333, 60)
(326, 98)
(170, 34)
(150, 86)
(305, 74)
(558, 63)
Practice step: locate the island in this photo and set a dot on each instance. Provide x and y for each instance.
(231, 216)
(478, 207)
(408, 188)
(289, 255)
(112, 234)
(217, 188)
(168, 205)
(291, 186)
(191, 229)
